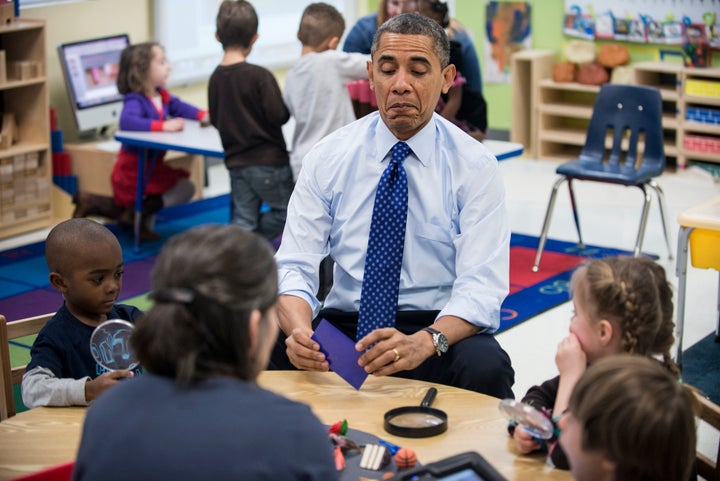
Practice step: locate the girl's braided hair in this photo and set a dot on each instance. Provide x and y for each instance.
(634, 293)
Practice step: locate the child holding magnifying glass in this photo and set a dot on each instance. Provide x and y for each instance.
(621, 304)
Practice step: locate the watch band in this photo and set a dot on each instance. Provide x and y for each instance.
(439, 340)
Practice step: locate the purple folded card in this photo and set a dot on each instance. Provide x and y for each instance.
(340, 353)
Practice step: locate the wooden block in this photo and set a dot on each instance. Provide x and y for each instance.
(22, 69)
(3, 68)
(8, 131)
(62, 205)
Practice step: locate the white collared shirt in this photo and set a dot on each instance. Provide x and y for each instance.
(456, 254)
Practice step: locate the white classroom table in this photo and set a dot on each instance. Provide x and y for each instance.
(198, 140)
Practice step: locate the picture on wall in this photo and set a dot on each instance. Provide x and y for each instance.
(508, 31)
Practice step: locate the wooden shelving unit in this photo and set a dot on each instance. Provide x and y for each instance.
(25, 159)
(528, 67)
(700, 140)
(564, 111)
(558, 113)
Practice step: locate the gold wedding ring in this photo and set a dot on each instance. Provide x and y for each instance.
(397, 355)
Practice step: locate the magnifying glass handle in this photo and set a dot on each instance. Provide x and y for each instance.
(429, 397)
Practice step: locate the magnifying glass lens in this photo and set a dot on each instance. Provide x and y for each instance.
(415, 420)
(528, 417)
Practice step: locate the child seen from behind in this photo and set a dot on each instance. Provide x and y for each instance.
(315, 88)
(629, 419)
(246, 107)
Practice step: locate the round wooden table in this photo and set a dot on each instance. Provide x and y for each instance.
(474, 421)
(43, 437)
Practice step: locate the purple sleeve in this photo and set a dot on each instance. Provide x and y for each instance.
(178, 108)
(134, 115)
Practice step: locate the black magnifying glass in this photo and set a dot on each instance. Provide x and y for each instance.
(417, 421)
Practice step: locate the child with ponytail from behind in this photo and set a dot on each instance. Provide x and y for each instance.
(621, 305)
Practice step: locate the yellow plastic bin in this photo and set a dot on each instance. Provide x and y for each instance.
(705, 248)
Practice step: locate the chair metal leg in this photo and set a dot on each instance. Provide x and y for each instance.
(663, 217)
(546, 223)
(576, 217)
(681, 271)
(643, 221)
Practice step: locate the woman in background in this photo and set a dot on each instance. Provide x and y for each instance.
(359, 38)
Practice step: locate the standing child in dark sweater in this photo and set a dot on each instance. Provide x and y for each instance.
(247, 108)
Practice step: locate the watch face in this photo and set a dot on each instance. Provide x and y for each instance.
(441, 342)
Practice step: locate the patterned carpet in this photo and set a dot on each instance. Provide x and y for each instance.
(25, 290)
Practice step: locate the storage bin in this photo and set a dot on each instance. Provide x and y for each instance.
(705, 248)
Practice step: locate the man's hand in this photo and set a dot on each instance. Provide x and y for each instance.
(303, 352)
(391, 351)
(103, 382)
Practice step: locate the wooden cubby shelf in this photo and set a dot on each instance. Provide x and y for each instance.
(552, 123)
(25, 158)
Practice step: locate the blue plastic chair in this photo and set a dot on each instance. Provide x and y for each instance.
(631, 117)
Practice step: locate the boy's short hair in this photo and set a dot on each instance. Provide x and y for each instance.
(67, 240)
(236, 24)
(320, 22)
(638, 415)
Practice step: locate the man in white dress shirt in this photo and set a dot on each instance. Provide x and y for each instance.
(455, 264)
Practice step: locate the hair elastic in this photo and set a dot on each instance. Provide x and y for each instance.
(180, 295)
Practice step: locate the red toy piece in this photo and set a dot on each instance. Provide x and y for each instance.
(339, 427)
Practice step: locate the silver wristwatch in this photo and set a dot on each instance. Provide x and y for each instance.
(439, 340)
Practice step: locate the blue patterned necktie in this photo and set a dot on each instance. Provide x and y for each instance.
(381, 279)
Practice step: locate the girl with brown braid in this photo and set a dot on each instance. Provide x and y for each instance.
(621, 305)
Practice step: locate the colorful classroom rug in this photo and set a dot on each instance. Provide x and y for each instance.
(25, 290)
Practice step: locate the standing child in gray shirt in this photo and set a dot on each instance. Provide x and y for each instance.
(315, 87)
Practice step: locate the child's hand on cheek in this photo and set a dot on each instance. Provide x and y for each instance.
(570, 357)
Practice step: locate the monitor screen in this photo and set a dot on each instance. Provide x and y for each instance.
(90, 68)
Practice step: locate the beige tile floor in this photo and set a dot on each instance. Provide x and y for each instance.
(609, 217)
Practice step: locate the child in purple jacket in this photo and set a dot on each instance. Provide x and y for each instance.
(147, 106)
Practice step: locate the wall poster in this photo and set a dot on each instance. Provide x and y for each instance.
(508, 31)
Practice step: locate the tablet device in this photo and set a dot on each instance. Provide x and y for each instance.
(469, 466)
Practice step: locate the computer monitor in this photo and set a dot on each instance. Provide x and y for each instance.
(90, 68)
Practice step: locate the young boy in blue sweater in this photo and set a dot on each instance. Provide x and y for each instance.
(86, 267)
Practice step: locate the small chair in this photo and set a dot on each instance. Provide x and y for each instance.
(9, 375)
(710, 413)
(623, 114)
